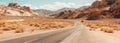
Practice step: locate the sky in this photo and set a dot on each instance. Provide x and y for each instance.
(50, 4)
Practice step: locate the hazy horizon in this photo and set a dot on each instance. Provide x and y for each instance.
(51, 4)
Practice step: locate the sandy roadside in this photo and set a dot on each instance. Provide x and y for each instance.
(86, 36)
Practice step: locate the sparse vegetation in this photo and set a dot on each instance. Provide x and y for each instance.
(107, 25)
(34, 24)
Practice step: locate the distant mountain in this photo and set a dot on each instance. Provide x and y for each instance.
(97, 10)
(44, 11)
(64, 9)
(49, 12)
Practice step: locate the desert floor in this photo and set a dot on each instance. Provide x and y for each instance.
(86, 31)
(96, 31)
(106, 25)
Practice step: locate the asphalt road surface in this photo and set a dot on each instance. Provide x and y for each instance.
(55, 36)
(77, 34)
(58, 37)
(83, 35)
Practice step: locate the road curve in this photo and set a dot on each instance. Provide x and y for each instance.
(55, 36)
(83, 35)
(58, 37)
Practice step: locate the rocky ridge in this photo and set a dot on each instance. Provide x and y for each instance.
(14, 9)
(98, 10)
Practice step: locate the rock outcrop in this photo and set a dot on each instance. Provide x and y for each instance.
(98, 10)
(14, 9)
(14, 5)
(26, 8)
(115, 9)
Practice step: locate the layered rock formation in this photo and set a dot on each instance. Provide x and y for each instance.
(115, 9)
(98, 10)
(14, 5)
(14, 9)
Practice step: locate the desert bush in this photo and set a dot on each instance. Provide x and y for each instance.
(19, 31)
(107, 29)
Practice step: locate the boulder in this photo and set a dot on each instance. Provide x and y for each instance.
(96, 4)
(14, 5)
(26, 8)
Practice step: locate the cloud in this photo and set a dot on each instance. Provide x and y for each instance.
(87, 4)
(57, 5)
(99, 0)
(31, 6)
(78, 6)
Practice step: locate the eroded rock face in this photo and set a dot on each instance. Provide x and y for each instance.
(117, 0)
(14, 5)
(94, 14)
(14, 9)
(26, 8)
(99, 9)
(64, 14)
(115, 10)
(96, 4)
(70, 14)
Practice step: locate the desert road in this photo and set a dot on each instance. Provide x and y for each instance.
(58, 37)
(83, 35)
(76, 34)
(54, 36)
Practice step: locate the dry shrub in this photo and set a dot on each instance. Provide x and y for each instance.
(107, 29)
(1, 31)
(19, 31)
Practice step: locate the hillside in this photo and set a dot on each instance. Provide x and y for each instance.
(44, 11)
(49, 12)
(14, 9)
(98, 10)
